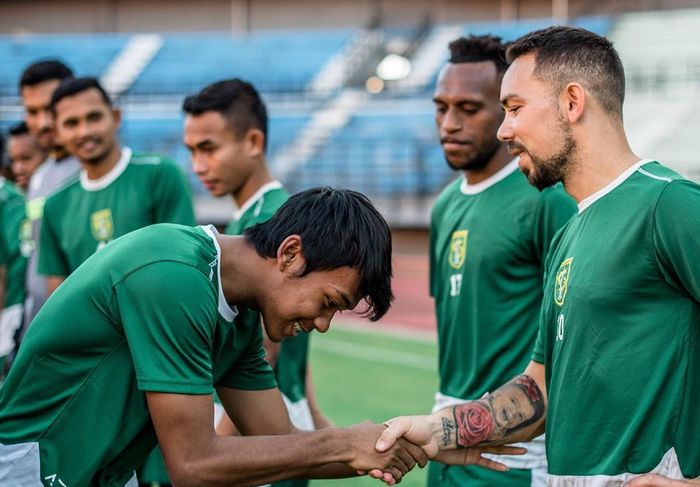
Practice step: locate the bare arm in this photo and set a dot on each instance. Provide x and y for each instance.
(195, 455)
(513, 413)
(52, 283)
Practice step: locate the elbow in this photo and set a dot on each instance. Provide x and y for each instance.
(189, 474)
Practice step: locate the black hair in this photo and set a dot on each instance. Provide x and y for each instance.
(18, 129)
(571, 54)
(338, 228)
(236, 100)
(48, 70)
(73, 86)
(474, 49)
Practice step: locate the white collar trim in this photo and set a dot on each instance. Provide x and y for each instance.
(254, 199)
(586, 202)
(499, 175)
(224, 309)
(110, 177)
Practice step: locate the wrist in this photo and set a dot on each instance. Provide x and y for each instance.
(337, 444)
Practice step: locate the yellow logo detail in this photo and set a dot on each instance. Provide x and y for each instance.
(561, 284)
(101, 225)
(35, 208)
(458, 248)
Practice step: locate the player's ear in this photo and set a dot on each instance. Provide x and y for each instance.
(290, 258)
(117, 115)
(255, 142)
(573, 101)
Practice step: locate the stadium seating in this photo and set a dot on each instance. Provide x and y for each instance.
(273, 61)
(388, 148)
(382, 151)
(86, 54)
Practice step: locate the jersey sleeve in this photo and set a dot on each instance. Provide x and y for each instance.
(677, 236)
(168, 313)
(250, 372)
(52, 261)
(554, 210)
(172, 196)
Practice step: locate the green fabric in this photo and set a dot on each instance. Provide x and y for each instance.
(12, 214)
(144, 314)
(486, 258)
(441, 475)
(78, 222)
(620, 330)
(290, 376)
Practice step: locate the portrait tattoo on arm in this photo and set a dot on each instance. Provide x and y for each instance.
(499, 415)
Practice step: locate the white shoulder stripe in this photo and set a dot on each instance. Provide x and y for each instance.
(654, 176)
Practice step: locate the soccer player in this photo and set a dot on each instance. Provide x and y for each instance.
(118, 190)
(616, 363)
(489, 234)
(13, 265)
(36, 85)
(133, 343)
(226, 132)
(25, 153)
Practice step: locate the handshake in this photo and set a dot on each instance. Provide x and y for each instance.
(387, 452)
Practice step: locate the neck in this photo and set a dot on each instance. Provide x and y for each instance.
(260, 177)
(58, 153)
(599, 161)
(241, 268)
(500, 158)
(98, 169)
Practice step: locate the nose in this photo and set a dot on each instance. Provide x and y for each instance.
(323, 323)
(45, 119)
(505, 131)
(451, 122)
(198, 164)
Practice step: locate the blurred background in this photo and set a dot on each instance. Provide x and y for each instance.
(348, 85)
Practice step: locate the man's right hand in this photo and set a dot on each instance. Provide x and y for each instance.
(389, 465)
(429, 433)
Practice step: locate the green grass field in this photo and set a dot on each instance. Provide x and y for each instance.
(362, 374)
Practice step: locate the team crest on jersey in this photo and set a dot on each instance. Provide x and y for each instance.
(561, 284)
(102, 225)
(458, 248)
(26, 242)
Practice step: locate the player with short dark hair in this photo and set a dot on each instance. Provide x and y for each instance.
(117, 190)
(615, 365)
(134, 342)
(25, 154)
(37, 84)
(489, 234)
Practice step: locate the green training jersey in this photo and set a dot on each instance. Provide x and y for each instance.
(11, 255)
(290, 367)
(86, 215)
(488, 242)
(15, 262)
(147, 313)
(487, 247)
(620, 332)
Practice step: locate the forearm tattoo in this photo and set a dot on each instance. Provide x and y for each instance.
(510, 409)
(448, 429)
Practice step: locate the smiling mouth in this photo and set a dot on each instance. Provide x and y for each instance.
(299, 328)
